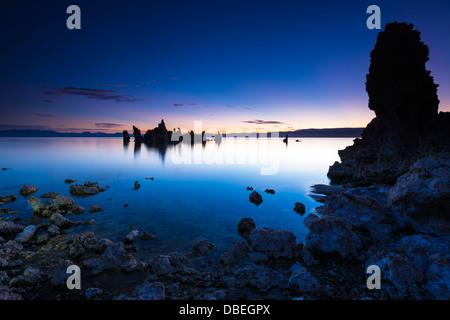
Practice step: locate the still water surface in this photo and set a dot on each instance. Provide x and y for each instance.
(198, 192)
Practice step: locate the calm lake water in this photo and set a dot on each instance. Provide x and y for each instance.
(198, 192)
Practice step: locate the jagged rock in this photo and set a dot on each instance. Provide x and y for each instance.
(114, 258)
(271, 191)
(202, 247)
(133, 234)
(258, 257)
(400, 277)
(299, 208)
(150, 291)
(58, 273)
(126, 137)
(137, 135)
(8, 198)
(161, 265)
(136, 185)
(235, 253)
(309, 219)
(91, 293)
(60, 221)
(69, 181)
(245, 226)
(26, 234)
(7, 294)
(11, 254)
(9, 228)
(89, 188)
(260, 277)
(364, 208)
(332, 234)
(421, 197)
(53, 230)
(255, 198)
(94, 208)
(273, 243)
(302, 280)
(28, 190)
(50, 195)
(144, 235)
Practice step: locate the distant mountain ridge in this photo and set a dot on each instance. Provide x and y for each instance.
(318, 133)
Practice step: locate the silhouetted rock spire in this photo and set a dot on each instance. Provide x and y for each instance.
(399, 86)
(404, 97)
(137, 135)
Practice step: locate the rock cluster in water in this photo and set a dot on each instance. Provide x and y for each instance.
(160, 136)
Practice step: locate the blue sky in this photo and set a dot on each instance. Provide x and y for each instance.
(230, 64)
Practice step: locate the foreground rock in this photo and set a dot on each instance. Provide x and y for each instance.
(88, 189)
(60, 204)
(273, 243)
(28, 190)
(255, 198)
(245, 226)
(333, 234)
(421, 197)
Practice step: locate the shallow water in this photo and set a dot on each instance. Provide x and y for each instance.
(197, 193)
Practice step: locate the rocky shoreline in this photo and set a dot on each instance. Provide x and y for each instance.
(390, 210)
(265, 264)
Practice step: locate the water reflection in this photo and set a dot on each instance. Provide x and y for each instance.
(198, 192)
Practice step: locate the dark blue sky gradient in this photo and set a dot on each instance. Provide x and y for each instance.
(299, 63)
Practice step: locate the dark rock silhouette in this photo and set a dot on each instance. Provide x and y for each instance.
(407, 125)
(137, 135)
(126, 137)
(160, 137)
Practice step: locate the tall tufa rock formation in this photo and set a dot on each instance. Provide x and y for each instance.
(404, 98)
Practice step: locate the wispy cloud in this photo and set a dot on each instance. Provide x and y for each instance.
(263, 121)
(107, 125)
(178, 105)
(44, 115)
(90, 93)
(113, 85)
(22, 127)
(229, 106)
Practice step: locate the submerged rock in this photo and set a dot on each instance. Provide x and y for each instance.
(299, 208)
(50, 195)
(255, 198)
(144, 235)
(7, 198)
(88, 189)
(202, 247)
(94, 208)
(28, 190)
(245, 226)
(133, 234)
